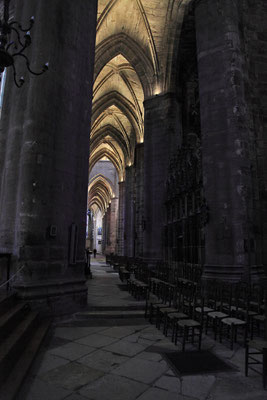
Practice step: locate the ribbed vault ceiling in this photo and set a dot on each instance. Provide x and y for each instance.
(135, 55)
(100, 193)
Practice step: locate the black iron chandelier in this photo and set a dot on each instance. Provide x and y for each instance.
(10, 50)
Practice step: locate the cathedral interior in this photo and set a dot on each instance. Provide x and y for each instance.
(135, 157)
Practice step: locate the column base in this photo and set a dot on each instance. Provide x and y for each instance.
(232, 273)
(151, 262)
(53, 297)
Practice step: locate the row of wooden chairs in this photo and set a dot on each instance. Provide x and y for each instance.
(177, 300)
(222, 307)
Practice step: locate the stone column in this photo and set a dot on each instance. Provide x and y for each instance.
(162, 137)
(104, 233)
(121, 219)
(139, 199)
(112, 228)
(129, 212)
(45, 151)
(227, 141)
(107, 230)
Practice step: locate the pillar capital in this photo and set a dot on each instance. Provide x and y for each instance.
(153, 101)
(197, 2)
(139, 145)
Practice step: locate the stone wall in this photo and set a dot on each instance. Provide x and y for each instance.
(254, 31)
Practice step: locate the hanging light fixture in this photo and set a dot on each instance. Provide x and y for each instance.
(10, 50)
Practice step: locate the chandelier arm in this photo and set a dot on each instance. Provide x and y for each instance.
(6, 10)
(15, 77)
(28, 64)
(18, 35)
(18, 53)
(10, 44)
(20, 27)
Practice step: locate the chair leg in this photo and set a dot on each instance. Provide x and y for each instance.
(251, 329)
(184, 338)
(173, 329)
(159, 320)
(146, 309)
(165, 324)
(207, 324)
(150, 313)
(193, 334)
(200, 339)
(215, 325)
(264, 367)
(245, 335)
(246, 360)
(232, 333)
(176, 333)
(220, 332)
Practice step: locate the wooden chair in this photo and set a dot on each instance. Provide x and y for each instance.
(216, 301)
(230, 324)
(153, 302)
(189, 328)
(171, 316)
(257, 304)
(256, 354)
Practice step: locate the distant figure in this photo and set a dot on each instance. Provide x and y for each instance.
(87, 266)
(94, 253)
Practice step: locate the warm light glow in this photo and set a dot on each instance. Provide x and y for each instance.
(157, 90)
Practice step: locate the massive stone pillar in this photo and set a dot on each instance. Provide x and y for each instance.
(112, 226)
(139, 199)
(129, 220)
(227, 141)
(162, 137)
(121, 212)
(104, 232)
(44, 154)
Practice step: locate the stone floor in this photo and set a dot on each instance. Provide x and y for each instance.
(101, 355)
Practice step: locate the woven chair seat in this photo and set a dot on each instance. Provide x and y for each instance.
(190, 323)
(167, 309)
(233, 321)
(205, 310)
(258, 344)
(217, 314)
(178, 316)
(261, 318)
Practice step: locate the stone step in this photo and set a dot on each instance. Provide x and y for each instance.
(118, 308)
(13, 345)
(109, 314)
(11, 318)
(10, 387)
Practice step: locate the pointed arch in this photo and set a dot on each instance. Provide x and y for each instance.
(116, 99)
(177, 13)
(123, 44)
(100, 192)
(102, 178)
(104, 152)
(110, 130)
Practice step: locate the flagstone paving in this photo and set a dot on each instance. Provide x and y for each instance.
(111, 358)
